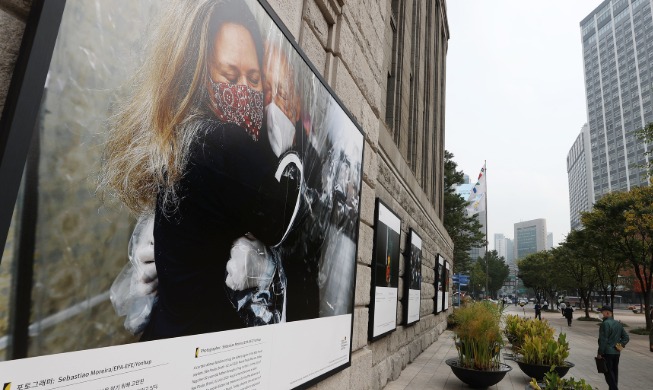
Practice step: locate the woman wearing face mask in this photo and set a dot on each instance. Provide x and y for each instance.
(187, 145)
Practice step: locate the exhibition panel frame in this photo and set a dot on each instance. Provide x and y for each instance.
(385, 272)
(439, 285)
(412, 278)
(71, 243)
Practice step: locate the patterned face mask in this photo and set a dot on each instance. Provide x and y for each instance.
(239, 104)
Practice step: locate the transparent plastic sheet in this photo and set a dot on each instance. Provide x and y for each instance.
(134, 291)
(255, 282)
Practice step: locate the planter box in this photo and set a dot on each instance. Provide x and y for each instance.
(476, 378)
(537, 371)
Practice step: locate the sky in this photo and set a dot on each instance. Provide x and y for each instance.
(515, 99)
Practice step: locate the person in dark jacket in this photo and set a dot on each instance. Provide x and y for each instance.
(538, 311)
(186, 146)
(569, 314)
(612, 339)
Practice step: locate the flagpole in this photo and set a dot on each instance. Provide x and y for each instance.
(487, 259)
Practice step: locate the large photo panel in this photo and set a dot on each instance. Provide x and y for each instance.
(204, 186)
(439, 291)
(413, 279)
(446, 285)
(385, 275)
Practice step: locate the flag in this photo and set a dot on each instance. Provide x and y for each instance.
(477, 195)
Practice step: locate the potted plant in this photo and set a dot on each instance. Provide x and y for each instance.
(540, 354)
(517, 328)
(478, 342)
(552, 381)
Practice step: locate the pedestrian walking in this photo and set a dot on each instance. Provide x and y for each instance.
(562, 308)
(612, 339)
(568, 313)
(538, 311)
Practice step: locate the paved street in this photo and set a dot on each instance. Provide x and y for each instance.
(429, 370)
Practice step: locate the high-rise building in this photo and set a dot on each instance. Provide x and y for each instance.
(510, 255)
(549, 241)
(579, 174)
(618, 63)
(500, 244)
(530, 237)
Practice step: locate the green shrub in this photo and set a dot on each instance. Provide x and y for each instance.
(640, 331)
(533, 339)
(517, 328)
(545, 351)
(553, 382)
(478, 335)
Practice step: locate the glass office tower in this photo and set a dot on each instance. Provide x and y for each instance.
(618, 60)
(579, 174)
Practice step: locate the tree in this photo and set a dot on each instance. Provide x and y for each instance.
(477, 278)
(497, 273)
(624, 222)
(465, 231)
(575, 258)
(645, 135)
(538, 272)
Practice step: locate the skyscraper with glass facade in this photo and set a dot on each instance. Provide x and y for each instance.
(617, 40)
(579, 174)
(500, 244)
(530, 237)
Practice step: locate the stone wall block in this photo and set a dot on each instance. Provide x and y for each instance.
(290, 12)
(12, 35)
(314, 50)
(330, 10)
(405, 357)
(361, 370)
(393, 342)
(315, 19)
(368, 197)
(369, 31)
(365, 244)
(381, 374)
(414, 349)
(370, 166)
(380, 349)
(361, 320)
(426, 307)
(395, 367)
(347, 90)
(336, 382)
(19, 9)
(363, 76)
(371, 123)
(344, 41)
(363, 288)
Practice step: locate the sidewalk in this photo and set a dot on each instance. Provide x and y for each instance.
(429, 371)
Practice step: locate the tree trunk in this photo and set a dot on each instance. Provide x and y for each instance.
(586, 299)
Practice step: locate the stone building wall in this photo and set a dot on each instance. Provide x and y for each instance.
(351, 44)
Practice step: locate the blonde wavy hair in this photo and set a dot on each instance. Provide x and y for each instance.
(151, 132)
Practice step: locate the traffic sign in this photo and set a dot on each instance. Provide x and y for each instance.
(462, 279)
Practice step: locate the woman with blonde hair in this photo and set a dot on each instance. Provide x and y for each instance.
(185, 146)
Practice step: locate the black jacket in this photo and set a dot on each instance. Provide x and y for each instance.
(228, 189)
